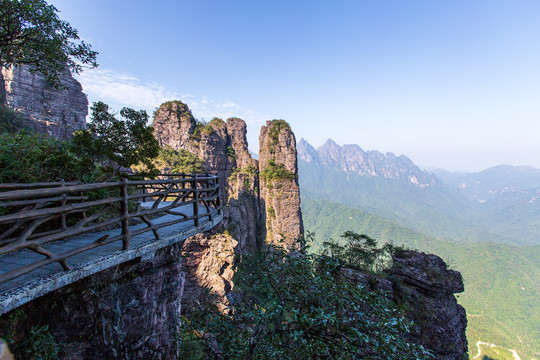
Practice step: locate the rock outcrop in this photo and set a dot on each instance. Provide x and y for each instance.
(279, 184)
(223, 148)
(426, 287)
(352, 159)
(131, 311)
(55, 111)
(208, 262)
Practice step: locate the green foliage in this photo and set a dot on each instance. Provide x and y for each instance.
(275, 128)
(181, 161)
(31, 33)
(361, 252)
(10, 120)
(216, 122)
(249, 170)
(202, 127)
(41, 345)
(271, 212)
(37, 344)
(502, 281)
(122, 143)
(40, 158)
(274, 171)
(231, 155)
(302, 307)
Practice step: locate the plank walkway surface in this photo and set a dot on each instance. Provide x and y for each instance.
(45, 279)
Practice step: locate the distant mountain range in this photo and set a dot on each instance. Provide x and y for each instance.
(352, 159)
(499, 204)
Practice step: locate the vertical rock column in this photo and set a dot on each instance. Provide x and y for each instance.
(278, 171)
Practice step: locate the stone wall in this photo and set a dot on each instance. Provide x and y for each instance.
(54, 111)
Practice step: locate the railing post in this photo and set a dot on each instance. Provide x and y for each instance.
(196, 201)
(63, 218)
(125, 214)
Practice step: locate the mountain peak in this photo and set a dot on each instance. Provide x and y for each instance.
(351, 158)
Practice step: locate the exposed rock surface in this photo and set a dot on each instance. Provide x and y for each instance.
(55, 111)
(223, 148)
(208, 261)
(279, 184)
(424, 284)
(352, 159)
(5, 354)
(128, 312)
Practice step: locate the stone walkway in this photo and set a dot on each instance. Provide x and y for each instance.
(51, 277)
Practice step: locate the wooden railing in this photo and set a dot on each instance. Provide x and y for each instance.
(34, 215)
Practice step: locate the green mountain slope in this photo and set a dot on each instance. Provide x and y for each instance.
(435, 210)
(502, 282)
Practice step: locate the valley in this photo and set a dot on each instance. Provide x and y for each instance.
(498, 256)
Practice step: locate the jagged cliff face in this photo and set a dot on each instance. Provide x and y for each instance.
(425, 287)
(223, 148)
(45, 109)
(352, 159)
(279, 184)
(424, 284)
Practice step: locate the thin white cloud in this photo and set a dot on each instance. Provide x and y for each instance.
(119, 90)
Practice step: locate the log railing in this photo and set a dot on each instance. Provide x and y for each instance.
(35, 215)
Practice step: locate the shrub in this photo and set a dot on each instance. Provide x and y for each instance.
(299, 306)
(40, 158)
(275, 129)
(274, 171)
(361, 252)
(181, 161)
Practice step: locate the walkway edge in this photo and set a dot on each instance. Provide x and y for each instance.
(12, 299)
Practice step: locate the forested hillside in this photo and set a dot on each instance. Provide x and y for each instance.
(502, 282)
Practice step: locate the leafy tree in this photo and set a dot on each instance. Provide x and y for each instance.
(121, 143)
(298, 306)
(31, 33)
(360, 251)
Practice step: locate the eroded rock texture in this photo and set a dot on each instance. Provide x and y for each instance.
(131, 311)
(208, 262)
(279, 184)
(55, 111)
(223, 148)
(424, 284)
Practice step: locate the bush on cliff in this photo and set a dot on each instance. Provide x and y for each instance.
(299, 307)
(181, 161)
(29, 158)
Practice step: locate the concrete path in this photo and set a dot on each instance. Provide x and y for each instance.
(51, 277)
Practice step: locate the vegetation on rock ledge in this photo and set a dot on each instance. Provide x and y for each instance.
(299, 306)
(274, 171)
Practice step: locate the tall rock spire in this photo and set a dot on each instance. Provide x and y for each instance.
(280, 192)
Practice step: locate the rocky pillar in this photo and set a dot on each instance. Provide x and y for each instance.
(278, 171)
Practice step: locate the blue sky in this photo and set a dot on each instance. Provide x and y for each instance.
(453, 84)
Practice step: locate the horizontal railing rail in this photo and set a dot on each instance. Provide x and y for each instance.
(34, 216)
